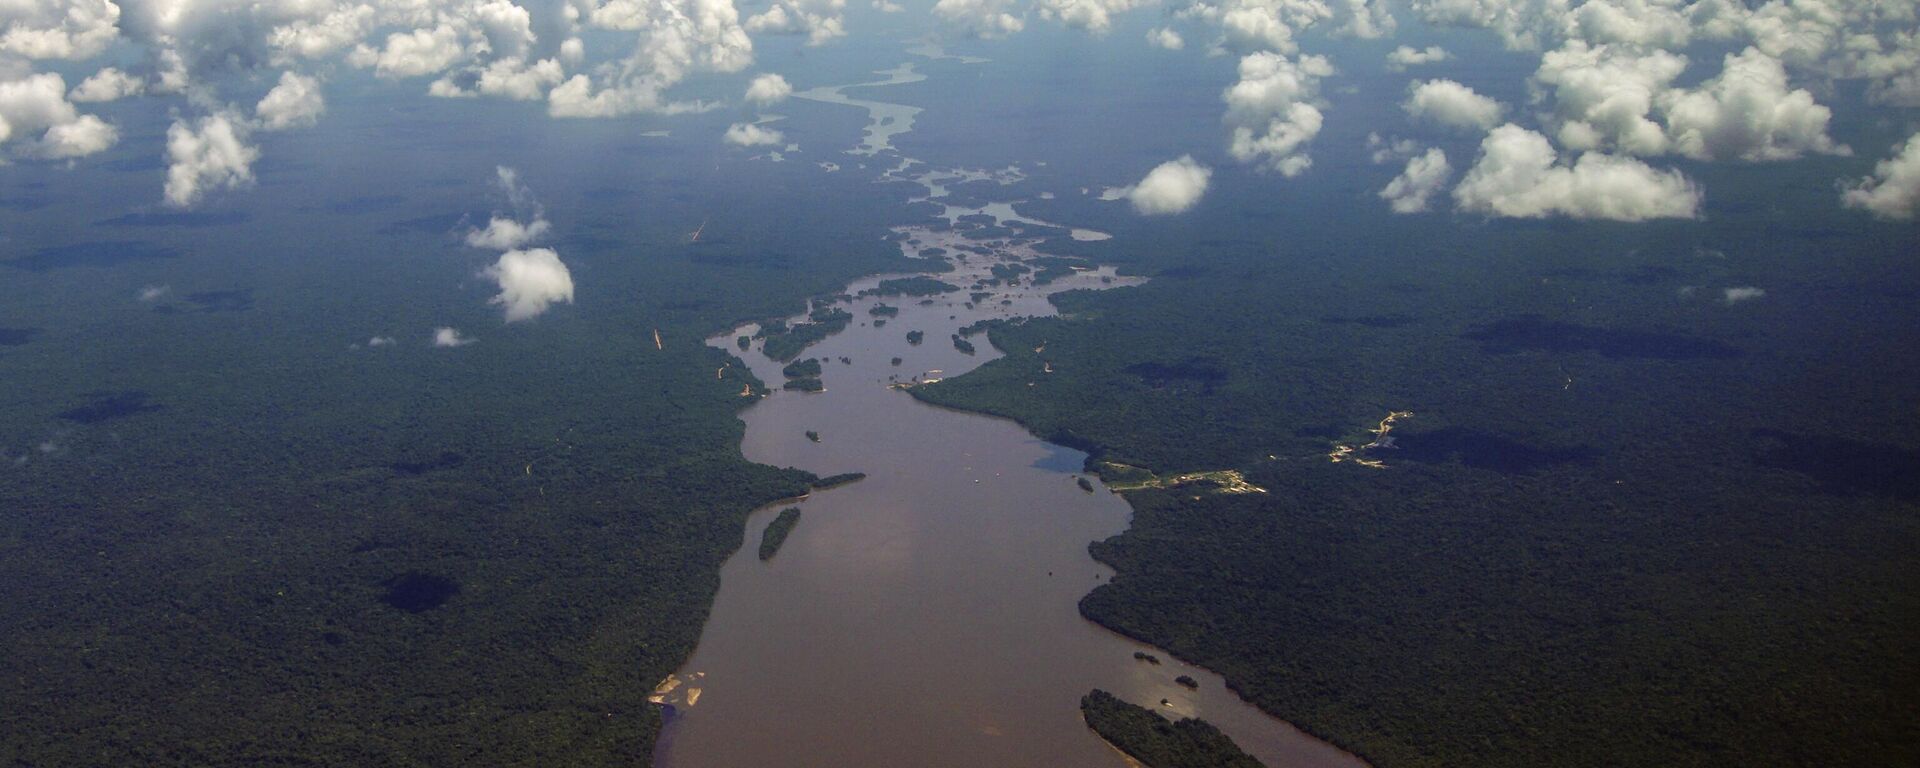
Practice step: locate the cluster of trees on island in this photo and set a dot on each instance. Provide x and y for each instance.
(1157, 742)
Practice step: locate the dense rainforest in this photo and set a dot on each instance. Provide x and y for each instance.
(238, 531)
(1620, 517)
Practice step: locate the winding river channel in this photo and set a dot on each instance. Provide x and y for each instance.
(926, 616)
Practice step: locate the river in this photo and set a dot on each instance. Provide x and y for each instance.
(927, 615)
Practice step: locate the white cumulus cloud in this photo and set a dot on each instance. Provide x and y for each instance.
(1270, 110)
(750, 135)
(211, 154)
(1165, 37)
(1893, 191)
(108, 84)
(1740, 294)
(769, 89)
(1171, 187)
(531, 281)
(294, 103)
(450, 337)
(1414, 188)
(981, 18)
(1404, 56)
(34, 109)
(1453, 105)
(1517, 175)
(1748, 113)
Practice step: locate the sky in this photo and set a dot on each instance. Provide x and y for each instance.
(1601, 110)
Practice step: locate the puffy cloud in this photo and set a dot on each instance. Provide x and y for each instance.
(1171, 187)
(768, 89)
(678, 37)
(1747, 113)
(1604, 95)
(450, 337)
(506, 234)
(1402, 57)
(1164, 37)
(58, 29)
(1414, 187)
(981, 18)
(415, 53)
(750, 135)
(210, 155)
(1384, 150)
(1364, 19)
(1649, 23)
(294, 103)
(1095, 16)
(1747, 293)
(1517, 175)
(820, 20)
(1269, 110)
(1521, 24)
(1451, 104)
(35, 109)
(530, 281)
(1893, 191)
(510, 78)
(108, 84)
(383, 341)
(323, 35)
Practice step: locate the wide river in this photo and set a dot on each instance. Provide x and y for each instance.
(926, 616)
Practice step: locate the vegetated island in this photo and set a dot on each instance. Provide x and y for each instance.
(802, 369)
(835, 481)
(776, 532)
(785, 342)
(911, 286)
(1157, 742)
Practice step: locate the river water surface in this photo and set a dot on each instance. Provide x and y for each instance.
(927, 615)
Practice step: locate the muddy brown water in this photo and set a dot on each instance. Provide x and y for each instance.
(927, 615)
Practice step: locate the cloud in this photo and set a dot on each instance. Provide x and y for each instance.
(1452, 104)
(678, 37)
(530, 281)
(211, 154)
(294, 103)
(35, 110)
(1165, 38)
(820, 20)
(1747, 113)
(1095, 16)
(980, 18)
(1603, 96)
(1411, 191)
(1269, 110)
(388, 341)
(1171, 187)
(503, 233)
(750, 135)
(769, 89)
(1385, 150)
(1517, 175)
(509, 78)
(108, 84)
(450, 337)
(1402, 57)
(1893, 191)
(154, 293)
(58, 29)
(414, 53)
(1749, 293)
